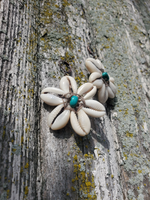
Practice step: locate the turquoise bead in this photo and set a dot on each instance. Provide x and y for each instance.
(105, 76)
(73, 101)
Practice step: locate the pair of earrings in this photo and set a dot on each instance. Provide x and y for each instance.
(77, 104)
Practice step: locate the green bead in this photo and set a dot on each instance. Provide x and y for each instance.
(73, 101)
(105, 76)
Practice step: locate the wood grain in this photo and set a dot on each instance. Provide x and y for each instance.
(37, 40)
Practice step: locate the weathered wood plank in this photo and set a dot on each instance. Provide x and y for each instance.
(112, 162)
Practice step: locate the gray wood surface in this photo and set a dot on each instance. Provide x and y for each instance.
(112, 162)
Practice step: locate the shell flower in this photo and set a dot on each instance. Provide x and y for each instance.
(100, 79)
(72, 103)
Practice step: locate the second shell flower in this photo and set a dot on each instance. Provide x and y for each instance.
(72, 103)
(100, 79)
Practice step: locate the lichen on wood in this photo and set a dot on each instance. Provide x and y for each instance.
(112, 162)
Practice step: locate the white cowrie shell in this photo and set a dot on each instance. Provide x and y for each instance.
(94, 76)
(94, 105)
(93, 113)
(90, 94)
(75, 124)
(113, 88)
(83, 89)
(73, 84)
(98, 83)
(100, 64)
(111, 79)
(54, 113)
(103, 94)
(61, 120)
(93, 65)
(51, 99)
(84, 121)
(64, 84)
(53, 90)
(110, 92)
(67, 83)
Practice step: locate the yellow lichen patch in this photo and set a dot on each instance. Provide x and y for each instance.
(125, 155)
(135, 28)
(80, 77)
(4, 131)
(8, 193)
(73, 180)
(107, 47)
(126, 111)
(21, 170)
(22, 138)
(75, 157)
(83, 180)
(88, 184)
(86, 155)
(129, 134)
(65, 3)
(112, 176)
(139, 171)
(26, 190)
(26, 166)
(73, 189)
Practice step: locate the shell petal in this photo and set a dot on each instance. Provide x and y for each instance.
(53, 90)
(73, 83)
(103, 94)
(113, 87)
(110, 92)
(90, 94)
(93, 65)
(111, 79)
(94, 76)
(93, 113)
(75, 124)
(61, 121)
(94, 105)
(98, 83)
(64, 84)
(84, 121)
(86, 87)
(51, 99)
(54, 113)
(100, 64)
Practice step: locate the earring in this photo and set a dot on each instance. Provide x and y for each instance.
(100, 79)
